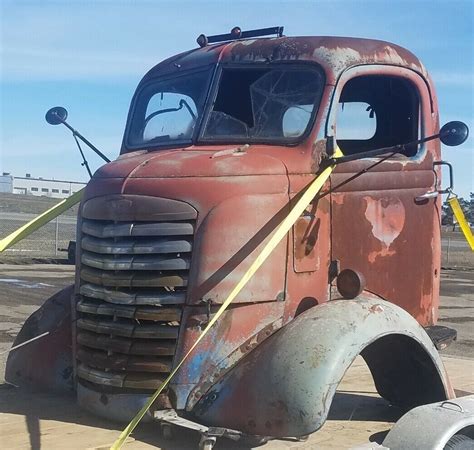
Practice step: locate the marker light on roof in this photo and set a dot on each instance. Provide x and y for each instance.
(237, 33)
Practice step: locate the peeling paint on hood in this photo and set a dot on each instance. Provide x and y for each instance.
(192, 163)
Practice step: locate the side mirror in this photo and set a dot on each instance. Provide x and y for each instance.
(56, 115)
(454, 133)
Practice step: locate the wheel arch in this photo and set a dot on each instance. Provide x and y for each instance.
(409, 377)
(286, 385)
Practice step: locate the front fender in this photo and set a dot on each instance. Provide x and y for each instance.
(47, 363)
(286, 385)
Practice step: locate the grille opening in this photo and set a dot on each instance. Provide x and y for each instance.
(125, 321)
(101, 359)
(134, 279)
(118, 344)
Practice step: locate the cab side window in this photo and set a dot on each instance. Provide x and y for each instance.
(377, 111)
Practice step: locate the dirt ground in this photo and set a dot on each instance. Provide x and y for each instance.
(457, 309)
(357, 416)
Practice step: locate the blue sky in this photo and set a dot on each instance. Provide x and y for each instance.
(89, 56)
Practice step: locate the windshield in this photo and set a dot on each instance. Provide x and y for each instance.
(248, 104)
(262, 105)
(167, 111)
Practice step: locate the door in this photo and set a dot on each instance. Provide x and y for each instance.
(380, 225)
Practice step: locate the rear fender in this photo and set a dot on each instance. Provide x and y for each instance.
(46, 363)
(286, 385)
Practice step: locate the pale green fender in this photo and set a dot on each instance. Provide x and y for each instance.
(285, 386)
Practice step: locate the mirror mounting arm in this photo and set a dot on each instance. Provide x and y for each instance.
(76, 133)
(452, 134)
(58, 115)
(400, 148)
(451, 176)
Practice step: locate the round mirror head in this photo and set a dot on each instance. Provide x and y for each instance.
(56, 115)
(454, 133)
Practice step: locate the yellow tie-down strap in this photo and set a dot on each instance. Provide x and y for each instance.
(312, 190)
(466, 229)
(41, 220)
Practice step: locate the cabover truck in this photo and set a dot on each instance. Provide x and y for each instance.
(219, 143)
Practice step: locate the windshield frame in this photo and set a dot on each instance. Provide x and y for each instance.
(129, 146)
(212, 89)
(287, 65)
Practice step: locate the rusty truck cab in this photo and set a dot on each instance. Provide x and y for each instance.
(219, 142)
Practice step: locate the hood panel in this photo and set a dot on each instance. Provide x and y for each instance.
(192, 163)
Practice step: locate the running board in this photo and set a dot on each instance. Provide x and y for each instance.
(442, 337)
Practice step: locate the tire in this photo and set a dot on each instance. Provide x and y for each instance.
(460, 442)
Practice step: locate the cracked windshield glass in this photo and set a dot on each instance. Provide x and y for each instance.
(264, 104)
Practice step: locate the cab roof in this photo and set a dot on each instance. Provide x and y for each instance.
(334, 54)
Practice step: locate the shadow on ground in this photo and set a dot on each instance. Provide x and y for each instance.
(38, 406)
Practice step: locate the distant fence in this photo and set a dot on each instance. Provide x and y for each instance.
(50, 241)
(455, 251)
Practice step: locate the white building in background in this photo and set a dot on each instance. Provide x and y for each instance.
(6, 183)
(29, 185)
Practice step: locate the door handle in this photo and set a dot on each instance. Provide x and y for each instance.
(427, 195)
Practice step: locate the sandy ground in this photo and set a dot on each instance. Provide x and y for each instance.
(357, 416)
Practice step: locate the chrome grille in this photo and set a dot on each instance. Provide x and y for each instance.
(133, 285)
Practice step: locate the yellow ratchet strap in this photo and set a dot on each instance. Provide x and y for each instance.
(458, 213)
(312, 190)
(41, 220)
